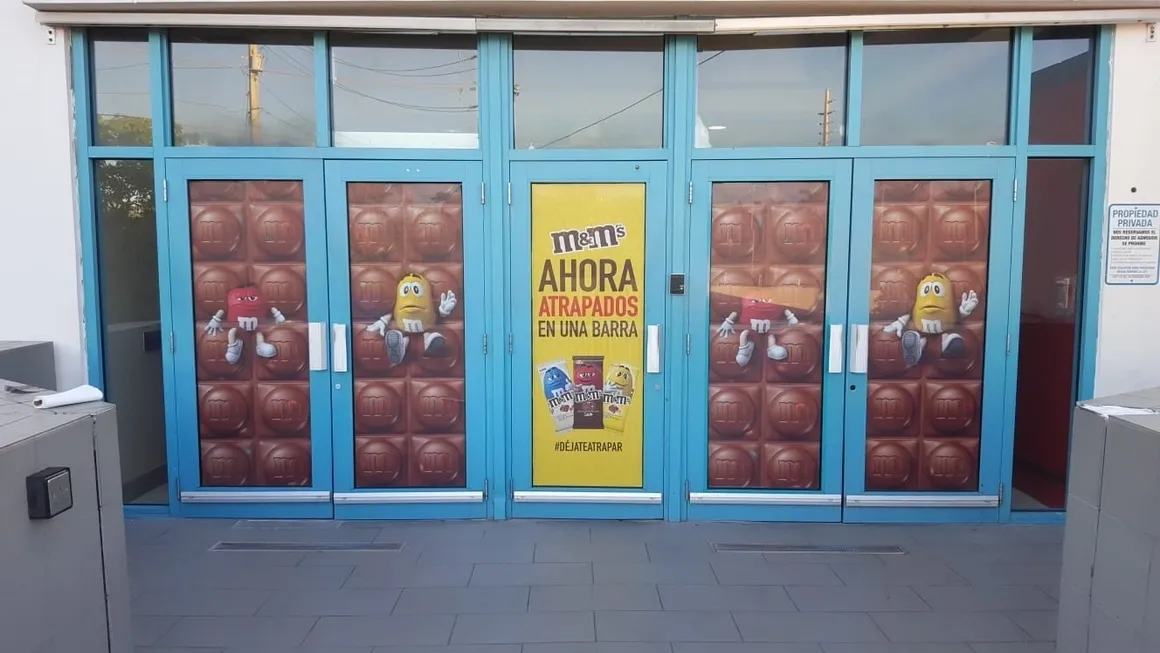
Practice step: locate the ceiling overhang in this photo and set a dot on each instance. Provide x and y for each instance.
(593, 16)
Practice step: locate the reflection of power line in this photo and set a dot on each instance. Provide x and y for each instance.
(412, 107)
(623, 109)
(287, 105)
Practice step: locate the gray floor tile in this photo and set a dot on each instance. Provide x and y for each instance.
(476, 552)
(988, 598)
(239, 576)
(679, 552)
(240, 632)
(170, 649)
(857, 599)
(462, 600)
(200, 602)
(896, 648)
(524, 628)
(819, 627)
(371, 576)
(627, 552)
(689, 573)
(910, 573)
(408, 630)
(148, 629)
(600, 647)
(357, 558)
(1026, 647)
(548, 573)
(587, 598)
(744, 647)
(1040, 624)
(949, 627)
(331, 603)
(306, 648)
(1050, 589)
(467, 648)
(760, 572)
(666, 627)
(755, 598)
(1008, 573)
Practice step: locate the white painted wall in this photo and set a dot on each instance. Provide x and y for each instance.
(40, 291)
(1128, 355)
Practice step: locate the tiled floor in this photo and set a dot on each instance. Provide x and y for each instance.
(592, 587)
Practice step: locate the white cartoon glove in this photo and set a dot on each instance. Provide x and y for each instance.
(791, 318)
(447, 303)
(215, 323)
(896, 327)
(380, 325)
(278, 317)
(969, 304)
(726, 328)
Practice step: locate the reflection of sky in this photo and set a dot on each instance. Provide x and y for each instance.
(914, 94)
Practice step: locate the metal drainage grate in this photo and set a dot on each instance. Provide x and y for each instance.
(861, 549)
(382, 547)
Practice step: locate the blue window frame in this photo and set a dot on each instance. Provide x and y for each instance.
(495, 156)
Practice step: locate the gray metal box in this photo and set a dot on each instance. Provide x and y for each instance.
(1109, 585)
(65, 579)
(30, 363)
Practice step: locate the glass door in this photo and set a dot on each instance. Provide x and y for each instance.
(247, 261)
(766, 366)
(587, 279)
(929, 273)
(407, 341)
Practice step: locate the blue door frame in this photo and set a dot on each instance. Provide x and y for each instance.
(983, 504)
(468, 499)
(195, 499)
(525, 500)
(747, 503)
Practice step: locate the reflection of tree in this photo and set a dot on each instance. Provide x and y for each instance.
(126, 225)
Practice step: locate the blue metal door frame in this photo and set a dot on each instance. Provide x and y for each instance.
(749, 504)
(981, 505)
(352, 502)
(194, 499)
(525, 500)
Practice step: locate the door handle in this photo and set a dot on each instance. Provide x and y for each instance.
(338, 347)
(315, 347)
(836, 346)
(653, 351)
(861, 338)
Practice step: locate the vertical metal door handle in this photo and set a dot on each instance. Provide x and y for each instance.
(861, 348)
(338, 347)
(316, 346)
(653, 352)
(836, 346)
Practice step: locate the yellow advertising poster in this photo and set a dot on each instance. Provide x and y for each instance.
(588, 335)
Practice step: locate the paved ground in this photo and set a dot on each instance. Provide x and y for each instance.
(592, 587)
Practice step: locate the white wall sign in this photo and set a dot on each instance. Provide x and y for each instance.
(1133, 256)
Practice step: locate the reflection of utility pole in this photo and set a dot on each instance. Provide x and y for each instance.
(254, 114)
(827, 112)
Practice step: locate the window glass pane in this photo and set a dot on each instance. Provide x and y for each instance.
(588, 92)
(763, 91)
(1054, 225)
(405, 91)
(130, 300)
(121, 88)
(240, 88)
(1061, 85)
(946, 87)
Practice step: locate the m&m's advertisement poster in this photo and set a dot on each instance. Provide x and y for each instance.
(588, 335)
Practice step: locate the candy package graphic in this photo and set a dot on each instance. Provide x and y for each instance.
(558, 392)
(618, 390)
(587, 373)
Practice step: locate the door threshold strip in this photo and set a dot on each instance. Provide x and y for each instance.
(309, 547)
(858, 549)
